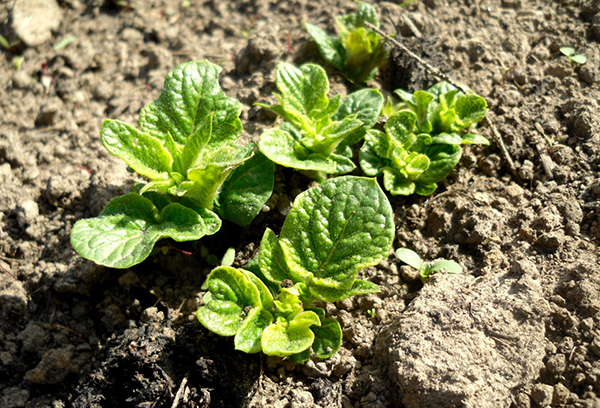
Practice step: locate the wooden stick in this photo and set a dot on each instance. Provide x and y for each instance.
(428, 66)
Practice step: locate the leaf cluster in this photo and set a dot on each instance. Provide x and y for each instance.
(317, 131)
(334, 230)
(186, 145)
(357, 52)
(421, 142)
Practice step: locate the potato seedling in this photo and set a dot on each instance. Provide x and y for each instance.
(333, 231)
(357, 52)
(186, 145)
(421, 142)
(317, 132)
(425, 269)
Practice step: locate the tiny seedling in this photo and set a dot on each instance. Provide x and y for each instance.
(579, 59)
(421, 142)
(425, 269)
(333, 230)
(186, 145)
(317, 132)
(357, 52)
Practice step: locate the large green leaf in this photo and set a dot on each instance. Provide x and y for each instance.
(337, 228)
(191, 92)
(126, 230)
(244, 193)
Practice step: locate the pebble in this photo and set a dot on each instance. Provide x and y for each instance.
(34, 20)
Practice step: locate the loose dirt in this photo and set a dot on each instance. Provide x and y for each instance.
(521, 328)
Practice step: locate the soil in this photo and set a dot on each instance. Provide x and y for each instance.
(521, 328)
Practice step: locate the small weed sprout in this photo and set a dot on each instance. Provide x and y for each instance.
(579, 59)
(425, 269)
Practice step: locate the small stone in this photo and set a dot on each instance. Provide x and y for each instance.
(561, 394)
(557, 363)
(14, 397)
(27, 212)
(34, 20)
(409, 273)
(21, 80)
(596, 26)
(595, 346)
(54, 367)
(542, 394)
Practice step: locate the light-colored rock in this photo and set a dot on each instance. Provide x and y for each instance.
(34, 20)
(467, 342)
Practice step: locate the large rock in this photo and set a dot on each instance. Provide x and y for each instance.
(467, 341)
(34, 20)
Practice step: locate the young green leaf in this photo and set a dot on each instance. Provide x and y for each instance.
(317, 131)
(285, 338)
(357, 52)
(243, 194)
(328, 337)
(128, 227)
(231, 292)
(409, 257)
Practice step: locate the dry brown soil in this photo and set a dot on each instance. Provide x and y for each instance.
(521, 328)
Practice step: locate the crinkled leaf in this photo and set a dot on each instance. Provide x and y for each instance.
(409, 257)
(279, 146)
(396, 183)
(443, 159)
(475, 139)
(272, 261)
(206, 181)
(337, 228)
(191, 92)
(366, 104)
(222, 317)
(425, 189)
(447, 138)
(139, 150)
(284, 338)
(227, 283)
(266, 299)
(328, 337)
(231, 291)
(128, 227)
(373, 154)
(244, 193)
(303, 89)
(400, 125)
(249, 335)
(470, 109)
